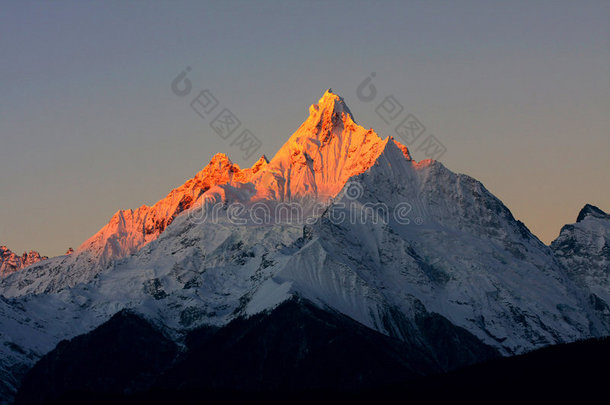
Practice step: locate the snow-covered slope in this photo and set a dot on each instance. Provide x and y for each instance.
(395, 241)
(11, 262)
(583, 248)
(469, 260)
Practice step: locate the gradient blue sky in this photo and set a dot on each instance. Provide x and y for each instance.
(518, 92)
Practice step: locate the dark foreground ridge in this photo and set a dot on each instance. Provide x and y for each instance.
(300, 353)
(297, 347)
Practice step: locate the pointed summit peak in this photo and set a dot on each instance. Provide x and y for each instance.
(323, 153)
(220, 169)
(329, 105)
(592, 210)
(220, 158)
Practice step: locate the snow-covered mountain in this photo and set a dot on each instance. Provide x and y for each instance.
(11, 262)
(583, 248)
(409, 249)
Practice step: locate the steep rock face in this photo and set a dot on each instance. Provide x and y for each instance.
(11, 262)
(583, 248)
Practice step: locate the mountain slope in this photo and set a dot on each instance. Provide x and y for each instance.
(469, 261)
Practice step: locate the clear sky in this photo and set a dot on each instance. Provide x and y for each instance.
(518, 92)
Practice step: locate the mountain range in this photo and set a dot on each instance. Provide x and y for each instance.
(341, 263)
